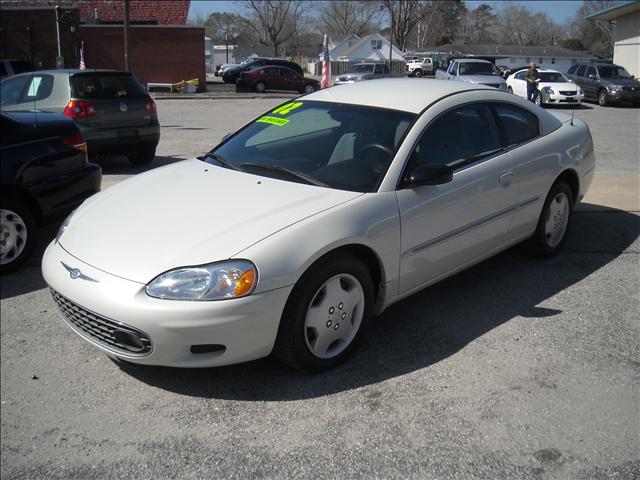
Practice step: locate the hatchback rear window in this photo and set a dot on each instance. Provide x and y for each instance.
(101, 86)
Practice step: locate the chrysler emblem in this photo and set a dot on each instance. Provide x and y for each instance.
(76, 273)
(123, 107)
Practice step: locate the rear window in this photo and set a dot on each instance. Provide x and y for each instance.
(102, 86)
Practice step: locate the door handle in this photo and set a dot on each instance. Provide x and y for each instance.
(505, 179)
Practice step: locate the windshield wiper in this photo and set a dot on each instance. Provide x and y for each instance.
(223, 161)
(292, 173)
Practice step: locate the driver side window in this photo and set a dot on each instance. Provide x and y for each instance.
(459, 135)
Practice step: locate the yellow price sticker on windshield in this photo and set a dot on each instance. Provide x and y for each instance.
(273, 121)
(287, 107)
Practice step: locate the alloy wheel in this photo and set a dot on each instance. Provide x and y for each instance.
(13, 236)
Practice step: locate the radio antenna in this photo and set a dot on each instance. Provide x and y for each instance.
(573, 110)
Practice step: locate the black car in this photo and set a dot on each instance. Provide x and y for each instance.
(44, 175)
(605, 83)
(112, 109)
(232, 74)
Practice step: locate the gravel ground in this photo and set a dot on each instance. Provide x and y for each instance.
(516, 369)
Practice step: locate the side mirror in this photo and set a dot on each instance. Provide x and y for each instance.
(423, 174)
(592, 76)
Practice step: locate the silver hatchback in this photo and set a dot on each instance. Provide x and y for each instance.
(112, 109)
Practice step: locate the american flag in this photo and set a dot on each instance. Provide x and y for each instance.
(326, 64)
(82, 65)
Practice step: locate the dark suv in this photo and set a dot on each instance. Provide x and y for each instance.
(605, 83)
(232, 74)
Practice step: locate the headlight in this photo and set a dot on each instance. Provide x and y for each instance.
(64, 225)
(548, 90)
(615, 88)
(216, 281)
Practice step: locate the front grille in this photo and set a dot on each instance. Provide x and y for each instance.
(567, 92)
(112, 335)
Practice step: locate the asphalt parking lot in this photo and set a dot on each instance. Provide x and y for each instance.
(518, 368)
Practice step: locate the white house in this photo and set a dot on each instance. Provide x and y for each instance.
(373, 47)
(626, 35)
(338, 47)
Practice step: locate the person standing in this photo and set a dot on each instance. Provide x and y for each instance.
(532, 83)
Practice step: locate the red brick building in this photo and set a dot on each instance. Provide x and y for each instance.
(151, 12)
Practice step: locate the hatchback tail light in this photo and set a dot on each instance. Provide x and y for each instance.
(79, 109)
(76, 141)
(150, 105)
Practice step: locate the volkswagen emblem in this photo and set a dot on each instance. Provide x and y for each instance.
(123, 107)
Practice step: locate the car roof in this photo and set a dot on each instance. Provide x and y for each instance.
(471, 60)
(405, 94)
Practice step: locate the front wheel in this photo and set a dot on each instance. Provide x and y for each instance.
(260, 87)
(309, 88)
(18, 235)
(417, 73)
(551, 231)
(326, 314)
(603, 101)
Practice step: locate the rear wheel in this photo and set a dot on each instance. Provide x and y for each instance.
(18, 235)
(309, 88)
(326, 314)
(551, 231)
(143, 157)
(260, 87)
(603, 101)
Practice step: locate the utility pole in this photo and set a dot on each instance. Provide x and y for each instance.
(127, 38)
(59, 58)
(226, 43)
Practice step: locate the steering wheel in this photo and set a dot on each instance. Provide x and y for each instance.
(380, 160)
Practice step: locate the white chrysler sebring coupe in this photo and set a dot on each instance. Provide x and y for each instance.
(291, 233)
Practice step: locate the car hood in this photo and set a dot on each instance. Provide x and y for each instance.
(353, 76)
(557, 86)
(482, 78)
(188, 213)
(625, 82)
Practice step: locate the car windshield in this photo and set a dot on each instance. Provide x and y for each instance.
(613, 71)
(347, 147)
(361, 69)
(476, 68)
(551, 77)
(106, 85)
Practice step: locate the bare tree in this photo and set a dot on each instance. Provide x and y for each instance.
(521, 27)
(274, 21)
(340, 17)
(597, 35)
(404, 15)
(225, 27)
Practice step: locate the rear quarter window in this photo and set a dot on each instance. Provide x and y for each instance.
(517, 124)
(96, 86)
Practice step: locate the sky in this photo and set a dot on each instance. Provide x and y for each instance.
(559, 10)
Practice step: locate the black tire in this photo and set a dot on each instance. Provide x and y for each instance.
(260, 87)
(12, 207)
(510, 90)
(291, 342)
(538, 100)
(538, 243)
(309, 88)
(603, 101)
(417, 73)
(143, 157)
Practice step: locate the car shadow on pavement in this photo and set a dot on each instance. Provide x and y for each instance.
(429, 326)
(120, 165)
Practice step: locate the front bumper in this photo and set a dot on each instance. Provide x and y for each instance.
(624, 96)
(561, 98)
(246, 327)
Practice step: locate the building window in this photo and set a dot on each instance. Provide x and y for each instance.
(376, 44)
(540, 60)
(553, 60)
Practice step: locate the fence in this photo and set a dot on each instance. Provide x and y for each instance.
(338, 68)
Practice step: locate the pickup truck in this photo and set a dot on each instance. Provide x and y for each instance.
(472, 70)
(363, 71)
(419, 67)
